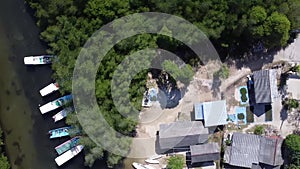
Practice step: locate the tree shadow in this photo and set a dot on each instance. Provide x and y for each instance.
(216, 86)
(255, 61)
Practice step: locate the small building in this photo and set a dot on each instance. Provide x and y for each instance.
(205, 153)
(181, 134)
(293, 88)
(265, 86)
(270, 151)
(253, 151)
(212, 113)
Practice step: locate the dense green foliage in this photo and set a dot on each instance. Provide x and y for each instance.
(233, 26)
(243, 92)
(296, 69)
(293, 166)
(241, 116)
(223, 72)
(175, 162)
(292, 144)
(184, 74)
(4, 163)
(291, 103)
(259, 130)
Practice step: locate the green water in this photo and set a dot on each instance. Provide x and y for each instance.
(27, 143)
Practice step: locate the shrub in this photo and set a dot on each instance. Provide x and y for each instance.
(223, 72)
(259, 130)
(243, 91)
(241, 116)
(175, 162)
(292, 103)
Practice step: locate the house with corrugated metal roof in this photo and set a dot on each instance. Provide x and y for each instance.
(253, 151)
(181, 134)
(265, 87)
(204, 153)
(212, 113)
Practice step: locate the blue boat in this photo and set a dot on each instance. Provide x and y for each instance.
(60, 132)
(55, 104)
(67, 145)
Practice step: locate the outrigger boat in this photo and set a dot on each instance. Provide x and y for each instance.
(60, 160)
(150, 161)
(149, 167)
(155, 157)
(60, 132)
(62, 114)
(49, 89)
(139, 166)
(55, 104)
(67, 145)
(38, 60)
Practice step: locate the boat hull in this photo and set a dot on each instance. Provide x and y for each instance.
(38, 60)
(62, 114)
(55, 104)
(67, 145)
(60, 160)
(49, 89)
(60, 132)
(150, 161)
(138, 166)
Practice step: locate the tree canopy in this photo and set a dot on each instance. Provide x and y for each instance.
(292, 144)
(4, 163)
(232, 25)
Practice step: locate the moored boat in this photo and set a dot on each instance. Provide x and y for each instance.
(55, 104)
(60, 160)
(155, 157)
(138, 166)
(150, 161)
(52, 87)
(62, 114)
(38, 60)
(60, 132)
(67, 145)
(149, 167)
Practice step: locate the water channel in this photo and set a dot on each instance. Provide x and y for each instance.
(27, 143)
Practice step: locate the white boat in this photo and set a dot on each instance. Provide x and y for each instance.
(55, 104)
(60, 160)
(149, 167)
(63, 113)
(52, 87)
(150, 161)
(38, 60)
(138, 166)
(155, 157)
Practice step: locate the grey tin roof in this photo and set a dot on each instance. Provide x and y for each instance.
(205, 152)
(244, 150)
(262, 86)
(182, 134)
(252, 151)
(270, 151)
